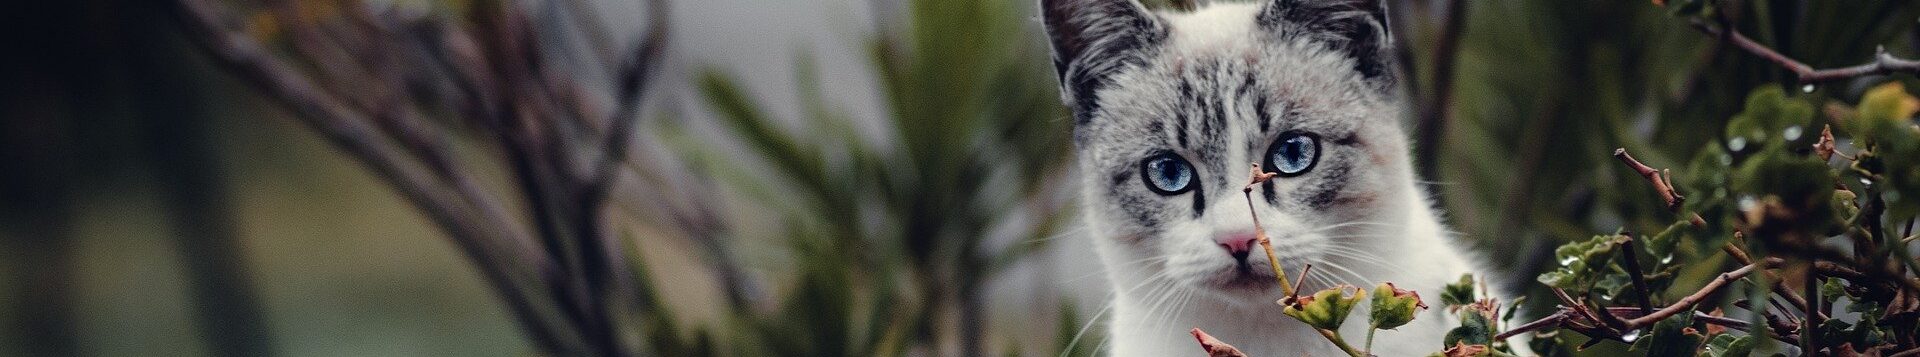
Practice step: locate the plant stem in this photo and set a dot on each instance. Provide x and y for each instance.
(1342, 343)
(1370, 330)
(1273, 260)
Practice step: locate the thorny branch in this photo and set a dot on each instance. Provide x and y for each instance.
(1883, 62)
(1631, 261)
(1662, 182)
(1586, 321)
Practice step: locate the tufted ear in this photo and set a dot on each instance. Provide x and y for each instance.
(1357, 28)
(1092, 39)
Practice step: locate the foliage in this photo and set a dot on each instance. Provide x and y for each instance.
(890, 236)
(1787, 206)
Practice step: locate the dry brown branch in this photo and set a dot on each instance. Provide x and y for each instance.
(1687, 303)
(1664, 186)
(1575, 315)
(1661, 183)
(1631, 261)
(1883, 62)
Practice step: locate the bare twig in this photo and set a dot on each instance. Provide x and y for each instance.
(1659, 179)
(1575, 315)
(633, 80)
(1631, 261)
(350, 131)
(1883, 62)
(1664, 186)
(1689, 301)
(1273, 259)
(1544, 323)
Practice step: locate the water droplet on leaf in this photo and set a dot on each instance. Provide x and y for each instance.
(1748, 203)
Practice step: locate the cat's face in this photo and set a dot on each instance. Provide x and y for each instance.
(1171, 110)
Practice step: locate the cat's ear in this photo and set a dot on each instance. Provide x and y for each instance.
(1092, 39)
(1357, 28)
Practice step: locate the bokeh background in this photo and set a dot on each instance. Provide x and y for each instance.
(809, 177)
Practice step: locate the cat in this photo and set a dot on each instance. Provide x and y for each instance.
(1171, 108)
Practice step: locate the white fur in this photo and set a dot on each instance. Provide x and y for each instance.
(1161, 283)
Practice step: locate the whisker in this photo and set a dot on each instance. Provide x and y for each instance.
(1365, 257)
(1104, 266)
(1062, 234)
(1351, 224)
(1363, 278)
(1103, 310)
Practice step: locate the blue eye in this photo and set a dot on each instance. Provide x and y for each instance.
(1293, 154)
(1167, 174)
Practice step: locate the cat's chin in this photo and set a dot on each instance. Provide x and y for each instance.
(1238, 284)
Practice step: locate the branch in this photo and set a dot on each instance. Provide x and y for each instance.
(1549, 322)
(1585, 321)
(1883, 62)
(1661, 181)
(1663, 184)
(632, 88)
(1632, 263)
(1688, 302)
(348, 130)
(1273, 259)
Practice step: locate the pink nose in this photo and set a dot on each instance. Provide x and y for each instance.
(1237, 243)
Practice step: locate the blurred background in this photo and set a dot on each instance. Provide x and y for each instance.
(779, 177)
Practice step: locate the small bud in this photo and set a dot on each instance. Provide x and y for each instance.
(1393, 307)
(1213, 346)
(1325, 309)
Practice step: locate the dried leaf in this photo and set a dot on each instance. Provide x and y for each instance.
(1213, 346)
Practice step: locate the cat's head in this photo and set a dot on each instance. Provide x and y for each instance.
(1171, 108)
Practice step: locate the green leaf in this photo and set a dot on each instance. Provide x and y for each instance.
(1459, 293)
(1884, 125)
(1476, 328)
(1325, 309)
(1393, 307)
(1728, 345)
(1832, 290)
(1582, 263)
(1770, 119)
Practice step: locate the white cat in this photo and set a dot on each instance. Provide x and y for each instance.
(1170, 109)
